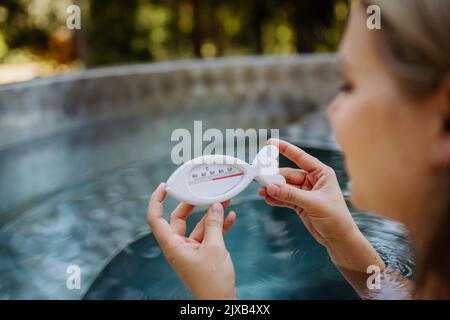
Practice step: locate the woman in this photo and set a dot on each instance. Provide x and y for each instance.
(392, 120)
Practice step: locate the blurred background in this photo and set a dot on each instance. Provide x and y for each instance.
(80, 153)
(34, 39)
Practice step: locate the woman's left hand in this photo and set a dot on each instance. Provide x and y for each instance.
(201, 260)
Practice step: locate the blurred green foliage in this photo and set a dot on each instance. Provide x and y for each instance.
(119, 31)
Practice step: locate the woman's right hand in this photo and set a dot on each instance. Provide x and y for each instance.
(314, 193)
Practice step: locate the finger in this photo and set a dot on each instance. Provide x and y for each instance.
(296, 155)
(307, 185)
(262, 192)
(155, 216)
(300, 212)
(179, 216)
(291, 194)
(198, 233)
(294, 176)
(229, 221)
(225, 204)
(199, 229)
(214, 225)
(278, 203)
(155, 208)
(275, 202)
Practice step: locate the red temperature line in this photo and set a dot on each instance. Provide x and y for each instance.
(229, 176)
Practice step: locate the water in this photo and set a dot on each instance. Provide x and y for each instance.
(273, 254)
(96, 220)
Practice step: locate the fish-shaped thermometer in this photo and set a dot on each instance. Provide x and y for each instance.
(215, 178)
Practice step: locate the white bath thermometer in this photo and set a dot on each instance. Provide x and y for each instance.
(215, 178)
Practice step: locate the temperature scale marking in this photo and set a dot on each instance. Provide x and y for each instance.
(213, 173)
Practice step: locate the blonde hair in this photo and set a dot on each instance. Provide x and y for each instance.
(415, 41)
(414, 44)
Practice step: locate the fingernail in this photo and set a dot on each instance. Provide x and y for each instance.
(273, 190)
(216, 209)
(279, 184)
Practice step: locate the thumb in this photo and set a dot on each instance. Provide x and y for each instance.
(289, 193)
(214, 224)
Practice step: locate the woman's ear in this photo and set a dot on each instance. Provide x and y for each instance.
(441, 151)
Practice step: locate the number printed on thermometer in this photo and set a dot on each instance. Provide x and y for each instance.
(213, 173)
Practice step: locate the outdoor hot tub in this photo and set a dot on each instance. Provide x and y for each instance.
(80, 154)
